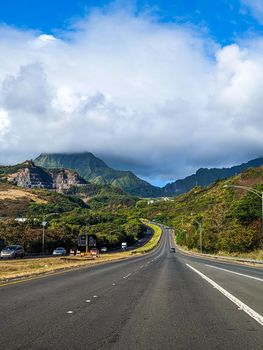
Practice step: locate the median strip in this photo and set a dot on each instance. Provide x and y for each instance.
(153, 242)
(12, 272)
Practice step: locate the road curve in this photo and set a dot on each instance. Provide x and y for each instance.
(156, 301)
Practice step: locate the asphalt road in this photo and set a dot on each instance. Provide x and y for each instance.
(161, 300)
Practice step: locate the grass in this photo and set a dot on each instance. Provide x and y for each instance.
(152, 243)
(13, 194)
(255, 255)
(11, 269)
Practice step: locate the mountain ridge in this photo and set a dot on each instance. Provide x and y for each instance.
(96, 171)
(56, 167)
(207, 176)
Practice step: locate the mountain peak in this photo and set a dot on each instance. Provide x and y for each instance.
(97, 171)
(205, 177)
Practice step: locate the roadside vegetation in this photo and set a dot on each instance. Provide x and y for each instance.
(13, 269)
(63, 229)
(230, 218)
(106, 213)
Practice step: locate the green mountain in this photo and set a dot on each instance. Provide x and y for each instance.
(205, 177)
(100, 197)
(98, 172)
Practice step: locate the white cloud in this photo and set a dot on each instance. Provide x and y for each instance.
(160, 97)
(4, 122)
(255, 7)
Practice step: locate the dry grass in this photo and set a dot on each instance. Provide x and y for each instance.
(256, 255)
(14, 194)
(10, 269)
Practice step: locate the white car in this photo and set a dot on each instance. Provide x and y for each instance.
(59, 251)
(104, 250)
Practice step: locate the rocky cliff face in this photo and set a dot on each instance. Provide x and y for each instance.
(63, 179)
(97, 172)
(31, 176)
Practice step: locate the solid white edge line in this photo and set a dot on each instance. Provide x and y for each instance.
(252, 313)
(236, 273)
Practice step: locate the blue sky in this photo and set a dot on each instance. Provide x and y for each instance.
(161, 88)
(225, 21)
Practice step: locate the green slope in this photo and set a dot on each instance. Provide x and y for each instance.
(230, 217)
(96, 171)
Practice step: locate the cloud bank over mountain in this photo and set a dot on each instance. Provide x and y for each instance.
(158, 98)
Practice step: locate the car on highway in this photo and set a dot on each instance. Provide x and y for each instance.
(172, 250)
(60, 251)
(95, 252)
(124, 245)
(103, 250)
(12, 252)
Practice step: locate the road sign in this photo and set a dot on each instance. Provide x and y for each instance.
(82, 240)
(92, 241)
(87, 240)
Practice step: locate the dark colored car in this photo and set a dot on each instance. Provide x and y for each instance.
(12, 252)
(172, 250)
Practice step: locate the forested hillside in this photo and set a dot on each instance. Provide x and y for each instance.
(230, 217)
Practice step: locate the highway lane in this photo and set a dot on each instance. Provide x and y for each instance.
(244, 282)
(155, 301)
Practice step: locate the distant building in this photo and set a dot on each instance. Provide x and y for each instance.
(167, 199)
(21, 219)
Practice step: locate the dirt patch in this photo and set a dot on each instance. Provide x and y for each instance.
(14, 194)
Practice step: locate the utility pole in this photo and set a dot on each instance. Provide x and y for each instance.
(43, 234)
(43, 230)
